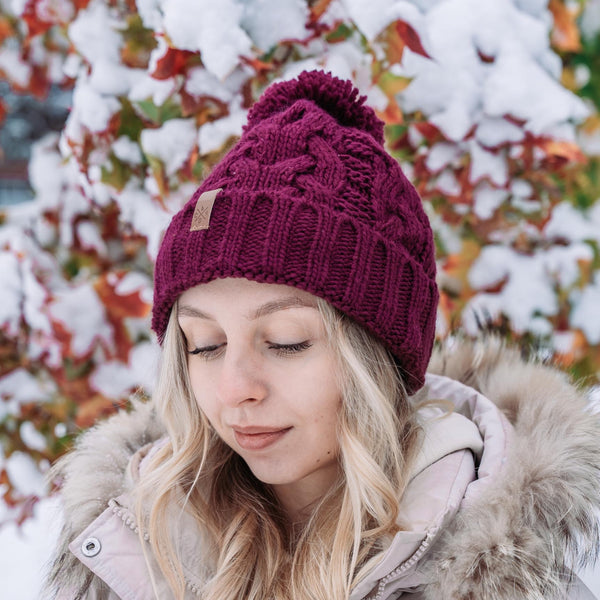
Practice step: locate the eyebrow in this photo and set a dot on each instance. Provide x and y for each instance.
(184, 310)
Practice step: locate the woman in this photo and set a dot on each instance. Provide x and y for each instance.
(295, 447)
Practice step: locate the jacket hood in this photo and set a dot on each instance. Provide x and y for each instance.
(506, 533)
(515, 535)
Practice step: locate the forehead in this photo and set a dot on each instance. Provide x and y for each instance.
(241, 295)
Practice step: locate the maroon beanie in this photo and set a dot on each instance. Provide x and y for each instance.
(308, 197)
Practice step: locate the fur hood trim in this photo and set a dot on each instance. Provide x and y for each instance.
(93, 473)
(542, 511)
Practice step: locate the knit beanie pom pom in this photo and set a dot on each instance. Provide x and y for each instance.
(337, 97)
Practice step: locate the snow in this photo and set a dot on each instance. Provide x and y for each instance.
(487, 200)
(10, 292)
(569, 223)
(369, 17)
(127, 150)
(585, 311)
(82, 314)
(201, 82)
(25, 474)
(447, 184)
(45, 169)
(269, 21)
(94, 34)
(31, 437)
(156, 89)
(590, 19)
(494, 131)
(55, 11)
(489, 165)
(108, 78)
(146, 216)
(441, 155)
(458, 91)
(115, 379)
(213, 135)
(529, 288)
(210, 27)
(90, 237)
(34, 298)
(26, 550)
(14, 68)
(508, 91)
(91, 110)
(20, 386)
(172, 143)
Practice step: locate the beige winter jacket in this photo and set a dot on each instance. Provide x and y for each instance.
(504, 494)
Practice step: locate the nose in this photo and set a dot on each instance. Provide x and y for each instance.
(241, 378)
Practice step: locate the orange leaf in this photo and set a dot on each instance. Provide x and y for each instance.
(395, 44)
(92, 409)
(565, 35)
(35, 25)
(259, 66)
(410, 37)
(575, 352)
(318, 9)
(6, 29)
(119, 306)
(173, 62)
(458, 265)
(561, 152)
(392, 115)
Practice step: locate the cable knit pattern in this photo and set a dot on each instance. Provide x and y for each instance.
(311, 199)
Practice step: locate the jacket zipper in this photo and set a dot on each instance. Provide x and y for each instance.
(405, 565)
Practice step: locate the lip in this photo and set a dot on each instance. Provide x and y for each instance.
(258, 438)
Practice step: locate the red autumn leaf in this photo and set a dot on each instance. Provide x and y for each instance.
(119, 306)
(429, 131)
(259, 66)
(35, 25)
(39, 84)
(92, 409)
(410, 37)
(173, 62)
(3, 111)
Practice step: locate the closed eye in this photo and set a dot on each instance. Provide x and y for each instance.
(288, 349)
(281, 349)
(207, 351)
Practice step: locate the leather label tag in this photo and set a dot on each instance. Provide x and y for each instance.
(203, 210)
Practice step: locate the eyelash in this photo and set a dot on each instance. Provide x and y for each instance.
(281, 349)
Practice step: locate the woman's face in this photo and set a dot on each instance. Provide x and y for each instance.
(263, 374)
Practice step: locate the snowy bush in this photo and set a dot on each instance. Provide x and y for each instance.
(480, 105)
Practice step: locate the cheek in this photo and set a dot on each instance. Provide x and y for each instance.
(201, 388)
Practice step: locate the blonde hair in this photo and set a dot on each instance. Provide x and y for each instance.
(250, 552)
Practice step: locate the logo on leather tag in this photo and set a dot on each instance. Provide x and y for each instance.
(203, 210)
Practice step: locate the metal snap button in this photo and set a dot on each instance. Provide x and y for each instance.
(91, 547)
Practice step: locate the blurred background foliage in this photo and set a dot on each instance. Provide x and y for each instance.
(112, 111)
